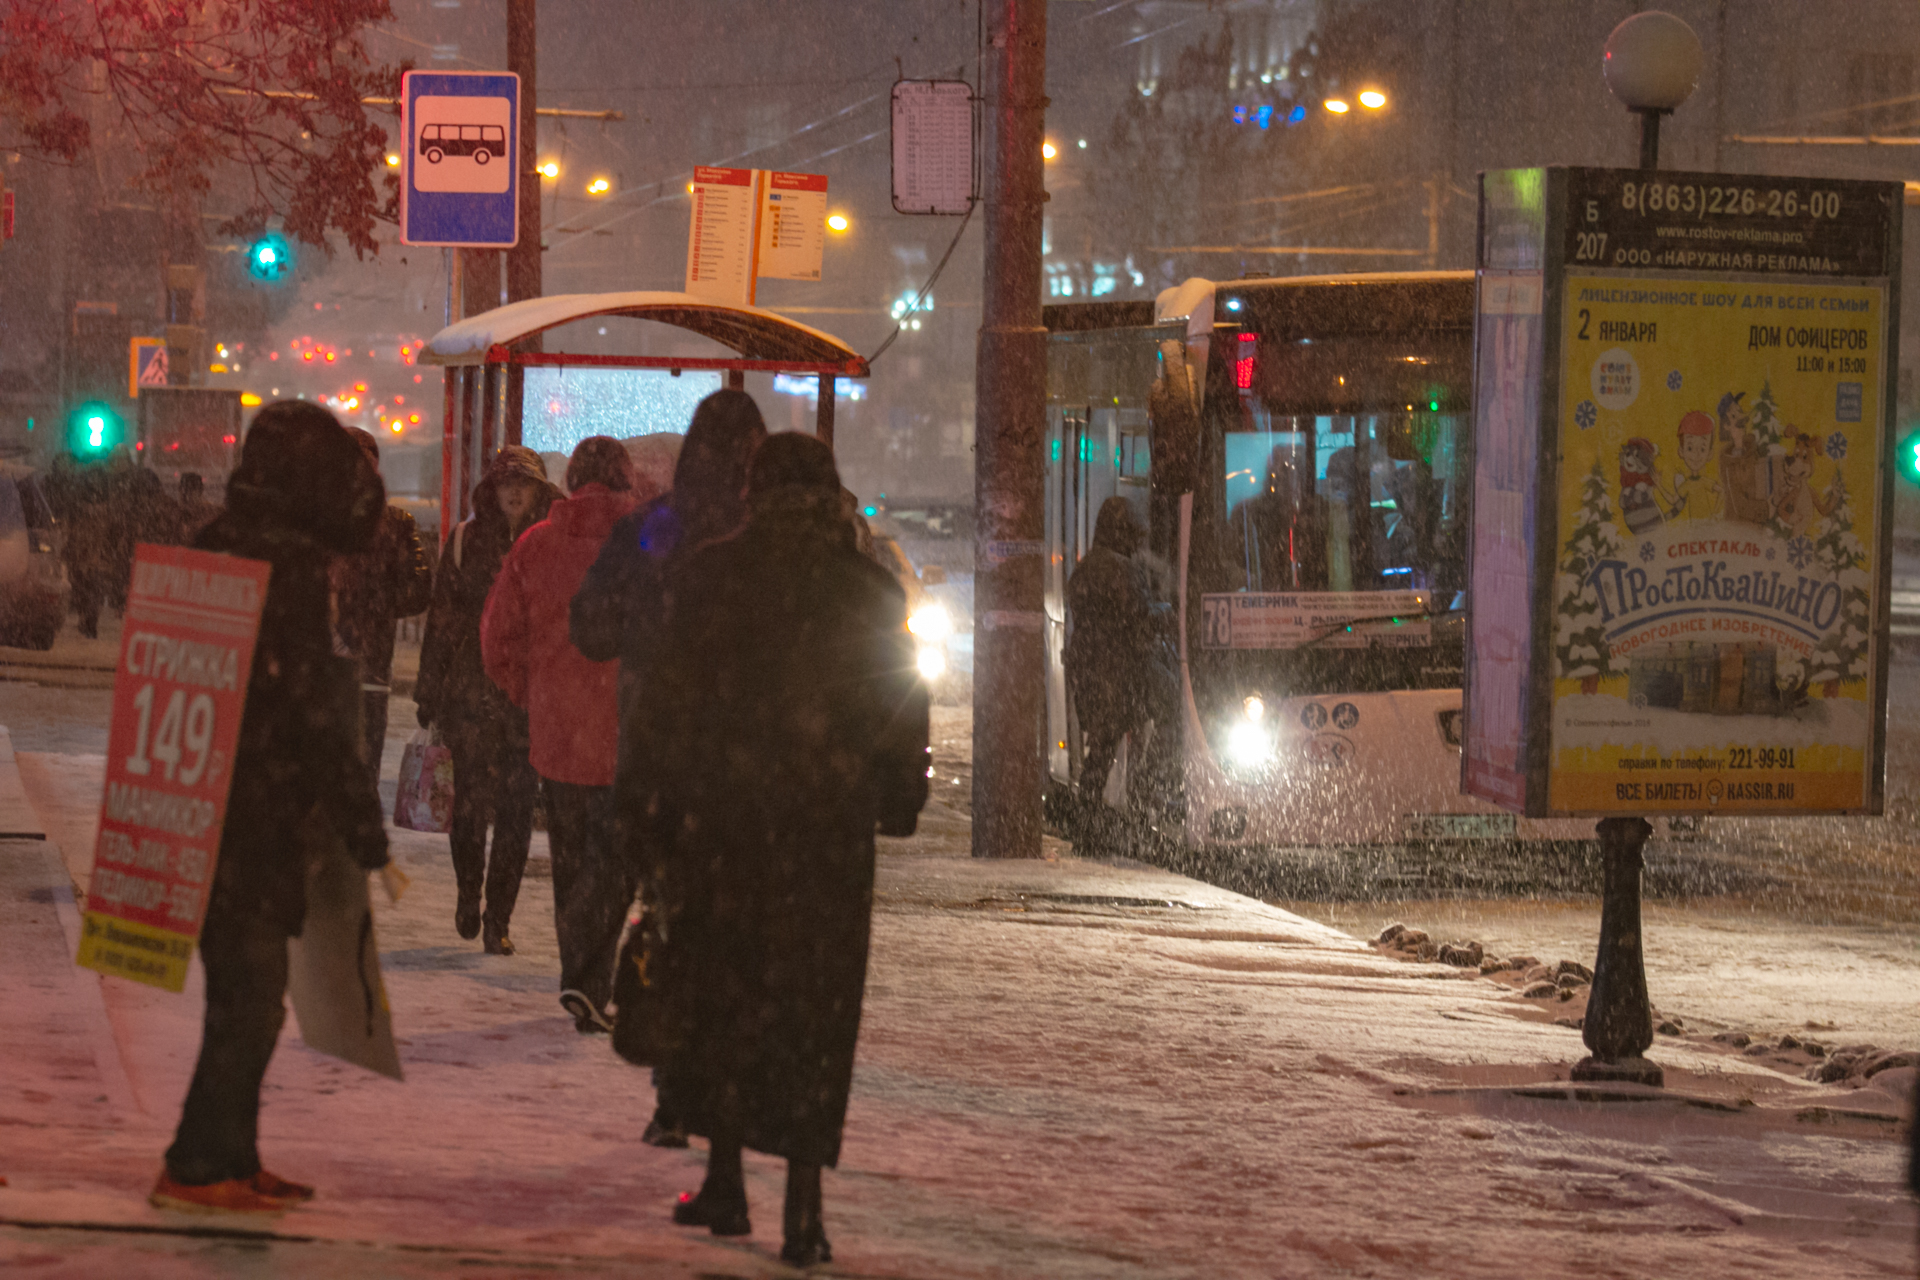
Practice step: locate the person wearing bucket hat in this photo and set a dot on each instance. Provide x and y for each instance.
(303, 494)
(493, 779)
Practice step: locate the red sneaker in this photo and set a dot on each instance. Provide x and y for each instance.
(275, 1187)
(235, 1195)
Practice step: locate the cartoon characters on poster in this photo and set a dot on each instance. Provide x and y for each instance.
(1737, 468)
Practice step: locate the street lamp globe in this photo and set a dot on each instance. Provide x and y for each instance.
(1653, 61)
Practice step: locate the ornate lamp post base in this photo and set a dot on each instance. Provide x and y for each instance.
(1619, 1022)
(1633, 1070)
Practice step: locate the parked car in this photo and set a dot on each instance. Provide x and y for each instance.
(33, 582)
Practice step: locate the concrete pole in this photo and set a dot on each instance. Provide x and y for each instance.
(1009, 486)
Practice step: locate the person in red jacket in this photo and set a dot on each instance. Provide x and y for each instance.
(573, 713)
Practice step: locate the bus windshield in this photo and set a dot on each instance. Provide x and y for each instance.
(1329, 517)
(1344, 503)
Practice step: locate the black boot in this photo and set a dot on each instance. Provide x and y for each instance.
(806, 1236)
(721, 1205)
(466, 916)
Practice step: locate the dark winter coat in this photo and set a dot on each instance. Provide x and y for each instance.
(1110, 611)
(785, 683)
(618, 610)
(377, 587)
(452, 689)
(303, 493)
(572, 703)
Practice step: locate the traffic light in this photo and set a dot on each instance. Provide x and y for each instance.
(93, 430)
(1907, 459)
(270, 257)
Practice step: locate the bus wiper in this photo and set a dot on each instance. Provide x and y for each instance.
(1424, 615)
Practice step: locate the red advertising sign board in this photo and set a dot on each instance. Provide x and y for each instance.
(181, 684)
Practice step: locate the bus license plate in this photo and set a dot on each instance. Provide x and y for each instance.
(1459, 826)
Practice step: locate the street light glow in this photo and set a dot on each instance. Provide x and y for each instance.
(1048, 150)
(1338, 106)
(551, 169)
(393, 160)
(1373, 99)
(838, 223)
(599, 187)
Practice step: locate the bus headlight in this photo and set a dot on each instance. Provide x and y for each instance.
(932, 662)
(1248, 745)
(930, 622)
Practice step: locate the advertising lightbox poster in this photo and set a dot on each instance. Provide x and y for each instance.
(179, 689)
(1709, 561)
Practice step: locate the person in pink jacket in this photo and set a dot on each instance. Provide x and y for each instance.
(573, 710)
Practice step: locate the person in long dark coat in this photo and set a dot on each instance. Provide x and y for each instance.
(373, 590)
(787, 721)
(620, 609)
(493, 779)
(620, 605)
(303, 494)
(1109, 654)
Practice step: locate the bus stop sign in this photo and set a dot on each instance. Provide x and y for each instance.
(460, 143)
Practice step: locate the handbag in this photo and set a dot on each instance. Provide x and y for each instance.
(641, 1017)
(424, 799)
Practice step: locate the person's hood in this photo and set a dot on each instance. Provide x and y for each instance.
(514, 462)
(590, 511)
(1115, 528)
(300, 470)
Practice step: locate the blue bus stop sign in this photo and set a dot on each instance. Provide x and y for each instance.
(461, 143)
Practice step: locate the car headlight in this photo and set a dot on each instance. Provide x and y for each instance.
(931, 661)
(930, 622)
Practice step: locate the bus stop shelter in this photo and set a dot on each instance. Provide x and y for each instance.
(486, 358)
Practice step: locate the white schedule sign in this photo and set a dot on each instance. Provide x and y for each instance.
(720, 237)
(793, 215)
(932, 146)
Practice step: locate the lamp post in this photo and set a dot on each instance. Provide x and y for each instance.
(1652, 63)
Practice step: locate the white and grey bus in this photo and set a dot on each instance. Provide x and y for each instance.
(1297, 450)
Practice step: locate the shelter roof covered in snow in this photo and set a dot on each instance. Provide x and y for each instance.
(753, 332)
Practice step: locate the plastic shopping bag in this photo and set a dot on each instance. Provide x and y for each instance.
(424, 800)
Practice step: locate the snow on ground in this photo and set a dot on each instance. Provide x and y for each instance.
(1067, 1069)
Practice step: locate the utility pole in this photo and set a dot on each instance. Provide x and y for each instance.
(1011, 395)
(523, 260)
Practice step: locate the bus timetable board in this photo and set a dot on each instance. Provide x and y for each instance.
(1678, 574)
(180, 686)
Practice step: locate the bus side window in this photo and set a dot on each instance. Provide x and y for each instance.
(469, 133)
(492, 133)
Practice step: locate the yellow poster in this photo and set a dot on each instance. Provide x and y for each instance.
(1720, 447)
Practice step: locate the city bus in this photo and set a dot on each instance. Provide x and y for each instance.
(1298, 452)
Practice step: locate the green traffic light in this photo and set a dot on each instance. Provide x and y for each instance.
(1908, 459)
(270, 257)
(93, 429)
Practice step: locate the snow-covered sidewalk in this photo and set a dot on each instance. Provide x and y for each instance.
(1066, 1069)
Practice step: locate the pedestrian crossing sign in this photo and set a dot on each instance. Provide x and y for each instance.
(146, 365)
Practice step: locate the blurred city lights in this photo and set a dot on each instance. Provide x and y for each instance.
(1373, 99)
(1338, 106)
(1048, 150)
(551, 169)
(599, 187)
(838, 223)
